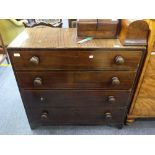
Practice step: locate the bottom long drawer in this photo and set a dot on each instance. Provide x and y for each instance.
(76, 116)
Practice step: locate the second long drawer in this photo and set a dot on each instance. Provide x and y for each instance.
(76, 80)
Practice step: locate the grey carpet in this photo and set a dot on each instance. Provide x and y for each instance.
(13, 119)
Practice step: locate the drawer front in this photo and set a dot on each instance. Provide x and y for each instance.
(76, 80)
(75, 98)
(75, 60)
(76, 116)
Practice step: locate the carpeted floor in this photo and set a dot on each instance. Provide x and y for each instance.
(13, 119)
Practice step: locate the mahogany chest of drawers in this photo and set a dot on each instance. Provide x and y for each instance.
(65, 83)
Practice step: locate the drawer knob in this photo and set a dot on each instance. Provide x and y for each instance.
(119, 60)
(37, 81)
(115, 81)
(111, 99)
(34, 60)
(108, 115)
(44, 116)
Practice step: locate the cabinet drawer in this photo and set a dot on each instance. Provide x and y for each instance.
(76, 80)
(75, 98)
(75, 60)
(76, 116)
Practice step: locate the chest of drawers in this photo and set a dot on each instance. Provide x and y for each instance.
(65, 83)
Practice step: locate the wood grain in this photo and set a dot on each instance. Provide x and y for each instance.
(148, 86)
(145, 106)
(151, 64)
(98, 34)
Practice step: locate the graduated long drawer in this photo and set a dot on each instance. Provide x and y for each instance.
(76, 80)
(76, 116)
(75, 59)
(75, 98)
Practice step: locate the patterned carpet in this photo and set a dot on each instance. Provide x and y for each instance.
(13, 119)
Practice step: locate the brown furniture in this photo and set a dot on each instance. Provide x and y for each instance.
(62, 82)
(98, 28)
(143, 105)
(134, 32)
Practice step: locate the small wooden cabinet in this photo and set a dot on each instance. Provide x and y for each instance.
(63, 82)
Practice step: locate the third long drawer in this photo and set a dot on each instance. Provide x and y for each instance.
(75, 98)
(77, 80)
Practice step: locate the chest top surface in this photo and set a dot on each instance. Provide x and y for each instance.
(61, 38)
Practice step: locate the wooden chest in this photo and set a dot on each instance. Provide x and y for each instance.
(62, 82)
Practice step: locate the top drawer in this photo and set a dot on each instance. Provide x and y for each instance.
(75, 60)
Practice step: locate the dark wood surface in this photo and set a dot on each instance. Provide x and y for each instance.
(87, 24)
(98, 34)
(76, 80)
(107, 25)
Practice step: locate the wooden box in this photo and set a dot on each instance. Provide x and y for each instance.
(97, 28)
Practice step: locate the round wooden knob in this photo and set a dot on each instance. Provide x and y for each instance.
(115, 81)
(119, 60)
(37, 81)
(44, 116)
(111, 99)
(34, 60)
(42, 99)
(108, 115)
